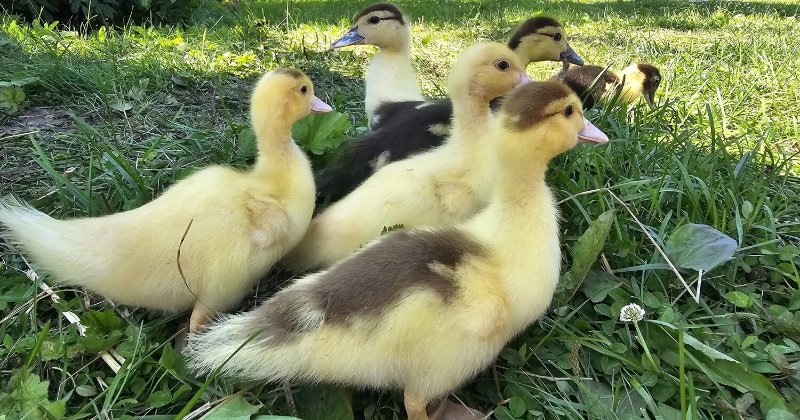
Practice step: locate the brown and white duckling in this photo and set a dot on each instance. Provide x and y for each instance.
(422, 310)
(242, 222)
(442, 186)
(403, 128)
(390, 76)
(594, 83)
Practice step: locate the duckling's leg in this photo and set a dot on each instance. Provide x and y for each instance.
(449, 410)
(201, 314)
(415, 407)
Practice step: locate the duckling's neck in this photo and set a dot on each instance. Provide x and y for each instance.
(276, 148)
(390, 78)
(520, 226)
(471, 117)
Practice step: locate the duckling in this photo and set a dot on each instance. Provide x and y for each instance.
(403, 128)
(237, 224)
(422, 310)
(638, 79)
(442, 186)
(390, 76)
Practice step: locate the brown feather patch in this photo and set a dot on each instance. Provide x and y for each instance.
(531, 26)
(381, 7)
(652, 77)
(398, 264)
(297, 74)
(527, 105)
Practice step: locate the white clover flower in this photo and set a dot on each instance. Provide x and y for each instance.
(631, 313)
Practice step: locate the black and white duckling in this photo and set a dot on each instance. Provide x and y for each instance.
(403, 128)
(390, 76)
(595, 83)
(422, 310)
(442, 186)
(242, 222)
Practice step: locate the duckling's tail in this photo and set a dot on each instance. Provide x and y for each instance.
(61, 248)
(255, 345)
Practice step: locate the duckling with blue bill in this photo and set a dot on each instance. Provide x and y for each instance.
(422, 310)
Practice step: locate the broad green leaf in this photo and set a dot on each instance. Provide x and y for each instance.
(516, 405)
(697, 344)
(585, 253)
(236, 408)
(321, 133)
(18, 81)
(599, 399)
(159, 399)
(699, 247)
(266, 417)
(121, 105)
(780, 414)
(323, 402)
(598, 284)
(11, 97)
(740, 299)
(26, 397)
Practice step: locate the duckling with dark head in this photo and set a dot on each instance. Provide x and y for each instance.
(595, 83)
(422, 310)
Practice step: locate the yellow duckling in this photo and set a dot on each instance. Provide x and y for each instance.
(423, 310)
(242, 222)
(445, 185)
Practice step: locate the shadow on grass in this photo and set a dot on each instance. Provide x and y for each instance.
(454, 11)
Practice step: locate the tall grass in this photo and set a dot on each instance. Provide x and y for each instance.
(115, 115)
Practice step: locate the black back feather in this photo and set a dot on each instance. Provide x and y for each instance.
(403, 129)
(580, 78)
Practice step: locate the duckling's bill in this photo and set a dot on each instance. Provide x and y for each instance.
(524, 79)
(591, 134)
(352, 37)
(317, 105)
(570, 56)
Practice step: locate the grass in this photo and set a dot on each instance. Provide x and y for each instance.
(113, 116)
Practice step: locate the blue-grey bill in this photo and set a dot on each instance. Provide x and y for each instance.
(350, 38)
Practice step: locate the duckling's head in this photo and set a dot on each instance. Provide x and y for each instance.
(485, 71)
(641, 78)
(541, 120)
(380, 24)
(542, 38)
(286, 94)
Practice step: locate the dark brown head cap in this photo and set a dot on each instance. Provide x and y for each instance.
(530, 26)
(528, 104)
(395, 13)
(288, 71)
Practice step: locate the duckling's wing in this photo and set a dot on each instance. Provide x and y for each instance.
(268, 220)
(411, 128)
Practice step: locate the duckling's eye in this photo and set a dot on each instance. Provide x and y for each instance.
(502, 65)
(557, 36)
(568, 112)
(304, 89)
(374, 20)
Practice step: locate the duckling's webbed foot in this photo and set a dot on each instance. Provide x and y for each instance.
(449, 410)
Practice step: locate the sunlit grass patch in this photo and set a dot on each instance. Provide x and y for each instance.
(113, 116)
